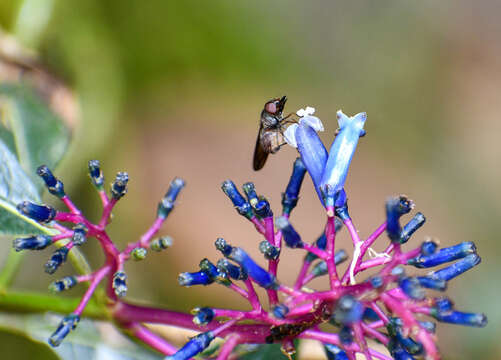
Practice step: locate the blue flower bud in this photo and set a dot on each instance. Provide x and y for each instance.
(429, 326)
(411, 227)
(395, 332)
(66, 325)
(120, 284)
(65, 283)
(54, 185)
(395, 208)
(340, 155)
(321, 268)
(58, 257)
(291, 194)
(202, 316)
(444, 255)
(36, 242)
(161, 243)
(291, 237)
(119, 186)
(348, 310)
(223, 246)
(194, 278)
(257, 273)
(345, 335)
(40, 213)
(250, 192)
(334, 352)
(457, 268)
(138, 254)
(214, 273)
(262, 209)
(240, 204)
(193, 347)
(313, 154)
(79, 234)
(412, 288)
(398, 352)
(167, 204)
(233, 271)
(96, 175)
(269, 251)
(428, 247)
(461, 318)
(431, 283)
(341, 206)
(280, 311)
(376, 281)
(370, 315)
(443, 305)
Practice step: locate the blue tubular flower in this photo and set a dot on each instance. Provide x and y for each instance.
(291, 194)
(313, 154)
(79, 234)
(239, 202)
(95, 173)
(443, 304)
(161, 243)
(202, 316)
(65, 283)
(223, 246)
(321, 268)
(263, 209)
(341, 206)
(37, 242)
(58, 257)
(334, 352)
(457, 268)
(444, 255)
(410, 228)
(431, 283)
(40, 213)
(194, 278)
(412, 288)
(120, 283)
(65, 326)
(398, 352)
(370, 315)
(291, 237)
(233, 271)
(269, 251)
(280, 311)
(460, 318)
(214, 273)
(54, 185)
(250, 192)
(193, 347)
(119, 186)
(395, 208)
(257, 273)
(348, 310)
(345, 335)
(167, 204)
(340, 155)
(428, 247)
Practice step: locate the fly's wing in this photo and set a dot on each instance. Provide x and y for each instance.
(260, 155)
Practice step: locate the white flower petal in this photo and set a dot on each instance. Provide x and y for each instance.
(306, 111)
(313, 122)
(290, 135)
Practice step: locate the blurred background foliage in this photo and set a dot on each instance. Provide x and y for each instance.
(165, 88)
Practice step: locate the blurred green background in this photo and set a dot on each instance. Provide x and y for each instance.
(174, 88)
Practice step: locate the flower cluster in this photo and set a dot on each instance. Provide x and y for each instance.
(391, 307)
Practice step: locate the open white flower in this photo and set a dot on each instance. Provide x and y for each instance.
(305, 118)
(306, 111)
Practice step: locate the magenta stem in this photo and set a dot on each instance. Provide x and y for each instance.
(231, 342)
(98, 276)
(302, 274)
(151, 339)
(69, 204)
(107, 212)
(104, 198)
(258, 224)
(330, 234)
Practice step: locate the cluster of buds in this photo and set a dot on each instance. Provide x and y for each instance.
(390, 307)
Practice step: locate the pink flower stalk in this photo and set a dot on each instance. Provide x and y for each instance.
(390, 307)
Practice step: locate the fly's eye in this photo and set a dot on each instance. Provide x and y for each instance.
(271, 107)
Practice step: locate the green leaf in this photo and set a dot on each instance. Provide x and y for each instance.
(16, 186)
(85, 342)
(16, 345)
(266, 352)
(38, 135)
